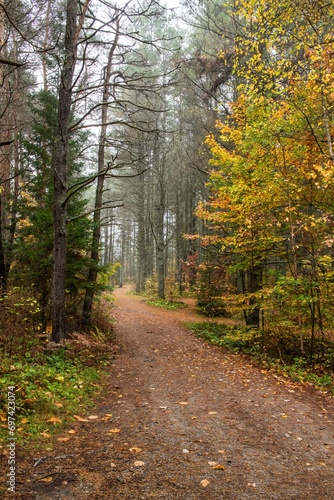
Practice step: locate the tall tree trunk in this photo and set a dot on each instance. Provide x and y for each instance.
(253, 285)
(3, 272)
(142, 250)
(7, 89)
(95, 254)
(60, 172)
(160, 249)
(14, 121)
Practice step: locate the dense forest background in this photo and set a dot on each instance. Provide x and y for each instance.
(185, 149)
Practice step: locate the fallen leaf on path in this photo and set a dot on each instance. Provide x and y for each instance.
(46, 479)
(253, 485)
(183, 403)
(205, 482)
(219, 467)
(213, 412)
(24, 421)
(45, 434)
(93, 417)
(72, 431)
(63, 439)
(80, 419)
(138, 463)
(54, 420)
(59, 405)
(114, 431)
(135, 449)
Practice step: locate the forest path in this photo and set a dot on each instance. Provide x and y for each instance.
(181, 407)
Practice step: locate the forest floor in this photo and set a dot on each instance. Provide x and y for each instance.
(180, 418)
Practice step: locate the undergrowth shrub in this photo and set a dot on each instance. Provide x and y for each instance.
(211, 290)
(151, 286)
(212, 307)
(52, 382)
(20, 329)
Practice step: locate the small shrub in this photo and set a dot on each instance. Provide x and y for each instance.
(151, 286)
(20, 329)
(212, 307)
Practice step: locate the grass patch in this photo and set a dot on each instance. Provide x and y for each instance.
(165, 304)
(275, 350)
(48, 391)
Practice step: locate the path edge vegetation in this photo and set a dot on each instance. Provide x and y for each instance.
(263, 348)
(55, 384)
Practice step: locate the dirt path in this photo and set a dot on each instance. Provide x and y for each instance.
(181, 407)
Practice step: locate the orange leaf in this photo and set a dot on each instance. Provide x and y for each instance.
(54, 420)
(80, 419)
(45, 434)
